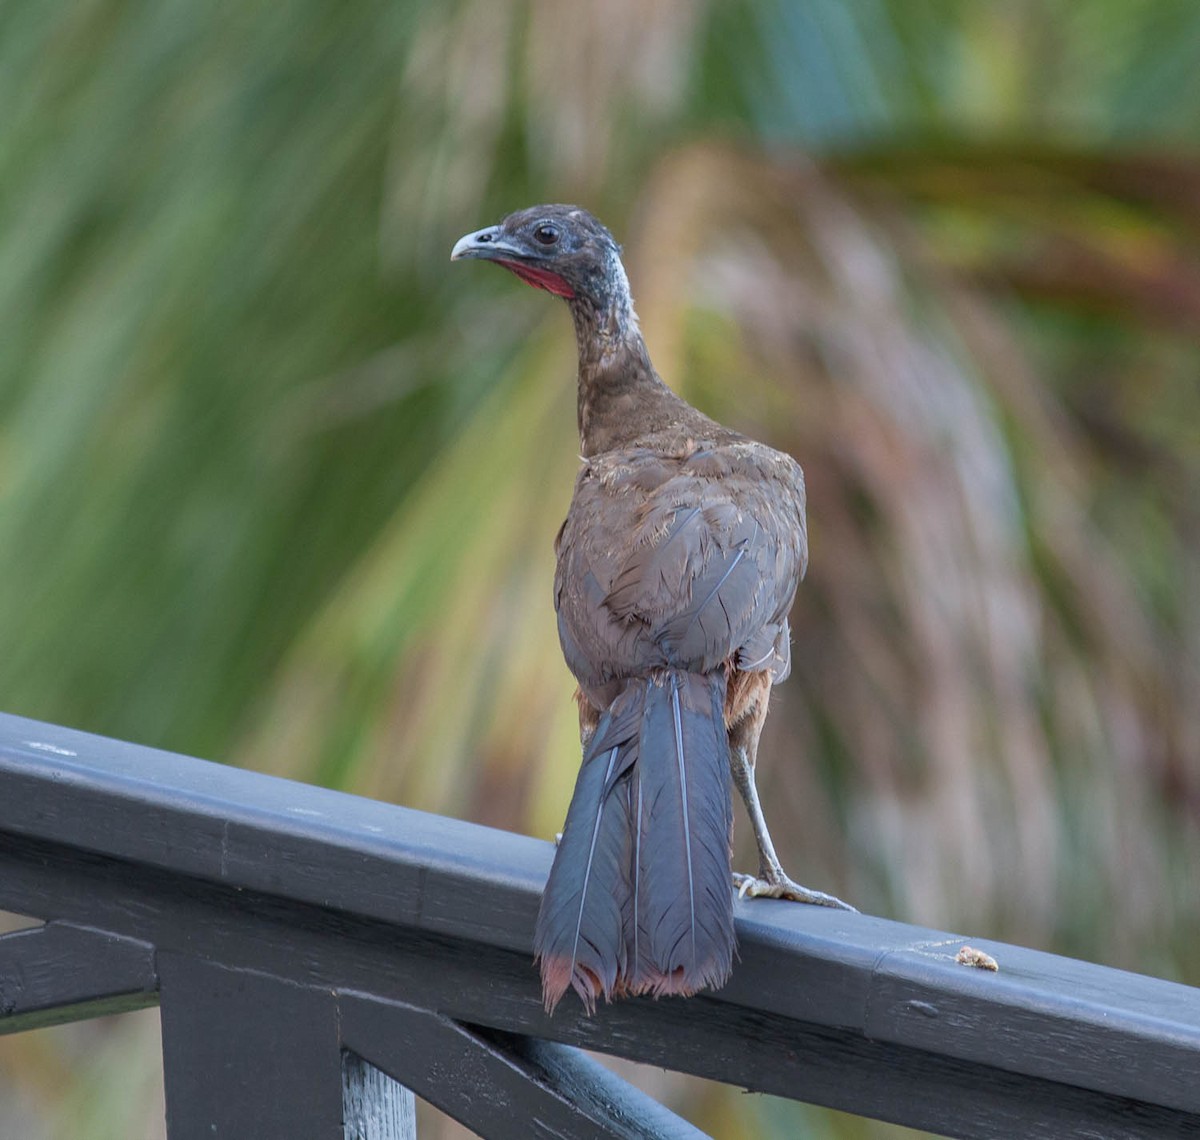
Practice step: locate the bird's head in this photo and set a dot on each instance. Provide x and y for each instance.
(561, 249)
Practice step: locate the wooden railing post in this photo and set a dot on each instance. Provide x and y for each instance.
(246, 1055)
(374, 1106)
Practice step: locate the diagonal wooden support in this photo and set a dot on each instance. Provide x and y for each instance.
(62, 972)
(503, 1086)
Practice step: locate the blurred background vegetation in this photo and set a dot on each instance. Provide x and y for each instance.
(278, 484)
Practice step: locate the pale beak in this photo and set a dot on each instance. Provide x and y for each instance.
(486, 243)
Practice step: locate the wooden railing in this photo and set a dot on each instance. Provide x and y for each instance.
(315, 954)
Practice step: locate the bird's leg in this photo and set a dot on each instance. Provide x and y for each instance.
(772, 882)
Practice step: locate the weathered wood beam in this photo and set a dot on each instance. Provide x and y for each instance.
(374, 1106)
(325, 889)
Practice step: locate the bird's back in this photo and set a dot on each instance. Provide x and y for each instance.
(679, 552)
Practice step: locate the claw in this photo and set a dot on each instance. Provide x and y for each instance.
(781, 887)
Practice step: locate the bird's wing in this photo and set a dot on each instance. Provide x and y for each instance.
(680, 560)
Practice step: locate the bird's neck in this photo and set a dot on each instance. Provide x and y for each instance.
(621, 398)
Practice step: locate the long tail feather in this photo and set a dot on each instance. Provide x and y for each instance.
(639, 898)
(682, 877)
(579, 940)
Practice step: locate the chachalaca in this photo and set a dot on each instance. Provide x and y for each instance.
(677, 565)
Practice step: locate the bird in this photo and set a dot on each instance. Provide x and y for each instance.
(676, 568)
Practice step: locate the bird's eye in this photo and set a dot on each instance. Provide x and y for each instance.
(546, 233)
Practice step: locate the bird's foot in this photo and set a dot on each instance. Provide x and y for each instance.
(779, 886)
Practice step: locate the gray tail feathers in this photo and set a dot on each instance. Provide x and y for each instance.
(640, 897)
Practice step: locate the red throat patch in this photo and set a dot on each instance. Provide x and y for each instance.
(539, 278)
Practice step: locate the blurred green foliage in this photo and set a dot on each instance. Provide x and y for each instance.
(278, 484)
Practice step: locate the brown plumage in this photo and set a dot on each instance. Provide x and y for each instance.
(677, 565)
